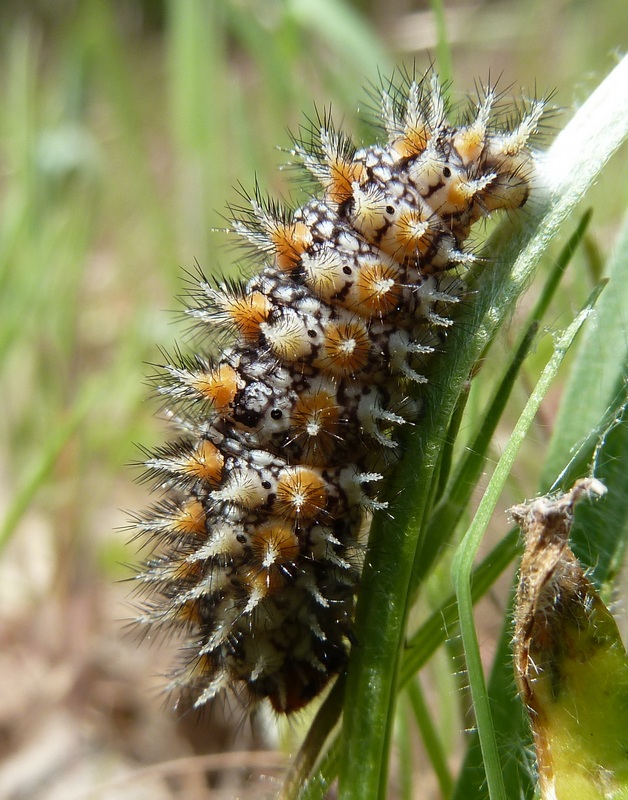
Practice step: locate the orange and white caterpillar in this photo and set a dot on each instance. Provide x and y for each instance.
(286, 434)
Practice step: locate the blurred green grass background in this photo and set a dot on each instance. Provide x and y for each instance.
(125, 129)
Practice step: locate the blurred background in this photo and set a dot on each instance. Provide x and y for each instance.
(126, 127)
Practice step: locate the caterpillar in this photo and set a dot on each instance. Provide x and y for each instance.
(285, 435)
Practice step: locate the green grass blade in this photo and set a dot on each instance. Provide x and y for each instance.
(509, 723)
(447, 453)
(601, 361)
(465, 555)
(348, 34)
(558, 270)
(317, 786)
(444, 60)
(431, 739)
(405, 752)
(303, 764)
(599, 534)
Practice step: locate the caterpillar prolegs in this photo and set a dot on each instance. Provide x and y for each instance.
(285, 435)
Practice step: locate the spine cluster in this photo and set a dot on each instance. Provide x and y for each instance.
(286, 434)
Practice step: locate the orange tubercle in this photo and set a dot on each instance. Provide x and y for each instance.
(190, 518)
(469, 143)
(290, 240)
(218, 385)
(413, 142)
(375, 291)
(301, 493)
(247, 313)
(342, 176)
(346, 348)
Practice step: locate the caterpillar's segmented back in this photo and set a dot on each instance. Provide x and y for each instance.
(285, 435)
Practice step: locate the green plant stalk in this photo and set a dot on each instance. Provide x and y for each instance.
(447, 455)
(405, 754)
(316, 787)
(431, 740)
(595, 376)
(369, 706)
(322, 725)
(444, 60)
(462, 565)
(558, 270)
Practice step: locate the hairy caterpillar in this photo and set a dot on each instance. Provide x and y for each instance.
(285, 435)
